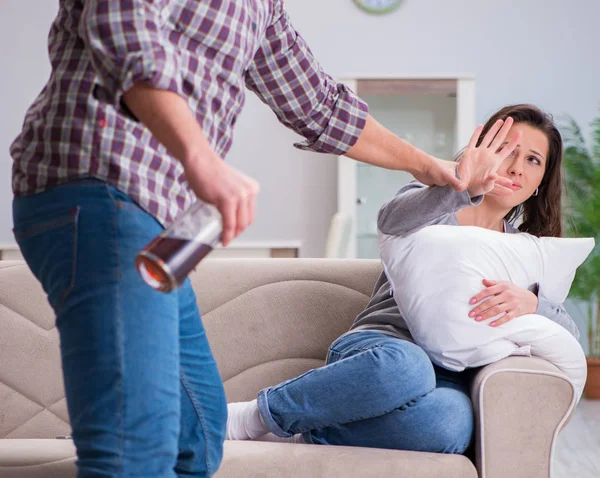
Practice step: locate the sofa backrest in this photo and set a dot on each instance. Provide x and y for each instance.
(267, 320)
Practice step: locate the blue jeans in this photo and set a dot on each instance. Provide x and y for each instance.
(144, 395)
(375, 391)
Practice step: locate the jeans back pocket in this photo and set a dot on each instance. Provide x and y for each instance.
(48, 243)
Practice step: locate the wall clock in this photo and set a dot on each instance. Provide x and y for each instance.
(378, 6)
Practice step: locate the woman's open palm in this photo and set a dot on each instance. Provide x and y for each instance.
(478, 164)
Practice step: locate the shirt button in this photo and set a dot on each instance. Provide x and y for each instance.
(233, 121)
(253, 26)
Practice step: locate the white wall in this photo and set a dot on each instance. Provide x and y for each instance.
(24, 68)
(538, 51)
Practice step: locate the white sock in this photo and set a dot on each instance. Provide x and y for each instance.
(244, 421)
(298, 438)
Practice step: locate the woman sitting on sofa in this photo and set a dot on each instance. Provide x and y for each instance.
(378, 388)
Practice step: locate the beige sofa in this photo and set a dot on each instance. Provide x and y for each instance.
(270, 320)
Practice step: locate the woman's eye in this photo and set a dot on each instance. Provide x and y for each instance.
(533, 158)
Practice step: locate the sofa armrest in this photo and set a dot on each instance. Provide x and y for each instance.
(521, 404)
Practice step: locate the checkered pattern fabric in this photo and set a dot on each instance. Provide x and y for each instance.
(207, 52)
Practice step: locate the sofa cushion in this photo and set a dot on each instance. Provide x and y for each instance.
(31, 386)
(268, 324)
(274, 460)
(277, 319)
(35, 458)
(56, 459)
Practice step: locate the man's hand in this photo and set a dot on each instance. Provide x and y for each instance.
(478, 164)
(171, 121)
(504, 298)
(232, 192)
(439, 172)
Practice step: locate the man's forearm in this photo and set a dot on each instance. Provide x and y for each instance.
(380, 147)
(169, 118)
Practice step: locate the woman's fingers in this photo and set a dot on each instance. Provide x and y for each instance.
(475, 137)
(491, 134)
(505, 182)
(493, 312)
(488, 291)
(501, 187)
(505, 318)
(501, 136)
(500, 192)
(487, 305)
(508, 148)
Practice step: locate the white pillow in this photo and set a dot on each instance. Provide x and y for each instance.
(437, 270)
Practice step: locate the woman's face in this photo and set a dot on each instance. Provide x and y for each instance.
(525, 166)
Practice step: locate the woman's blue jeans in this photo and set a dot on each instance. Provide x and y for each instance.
(375, 391)
(144, 395)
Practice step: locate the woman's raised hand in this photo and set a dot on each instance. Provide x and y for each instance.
(478, 164)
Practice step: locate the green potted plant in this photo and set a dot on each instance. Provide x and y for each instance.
(582, 214)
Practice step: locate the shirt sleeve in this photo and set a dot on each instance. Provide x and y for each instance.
(555, 312)
(127, 44)
(286, 76)
(416, 206)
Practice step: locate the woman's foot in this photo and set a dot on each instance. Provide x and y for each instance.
(244, 421)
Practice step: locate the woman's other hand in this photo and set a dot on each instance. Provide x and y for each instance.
(504, 297)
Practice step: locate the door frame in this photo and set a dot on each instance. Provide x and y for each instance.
(465, 125)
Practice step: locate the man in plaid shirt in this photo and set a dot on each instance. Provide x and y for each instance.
(130, 129)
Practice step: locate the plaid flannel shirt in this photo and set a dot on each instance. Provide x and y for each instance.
(207, 52)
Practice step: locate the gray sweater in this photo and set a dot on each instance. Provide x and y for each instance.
(414, 207)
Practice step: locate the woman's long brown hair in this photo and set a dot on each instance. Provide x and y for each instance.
(542, 214)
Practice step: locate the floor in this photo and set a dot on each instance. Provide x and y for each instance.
(578, 446)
